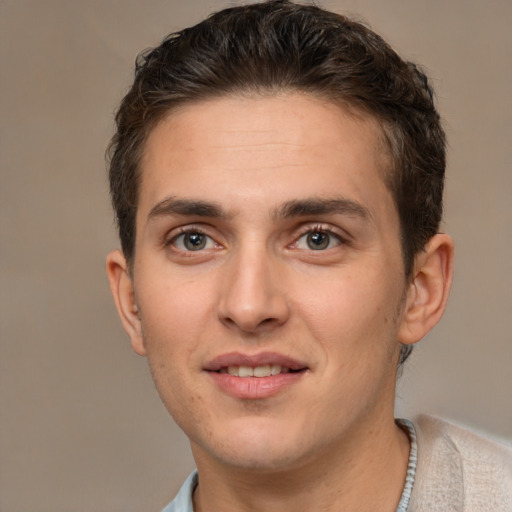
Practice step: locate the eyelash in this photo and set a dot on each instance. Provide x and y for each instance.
(308, 229)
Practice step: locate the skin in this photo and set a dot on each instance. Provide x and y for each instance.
(260, 285)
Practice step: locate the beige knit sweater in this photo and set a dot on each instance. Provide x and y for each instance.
(459, 471)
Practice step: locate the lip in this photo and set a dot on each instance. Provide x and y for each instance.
(255, 388)
(261, 359)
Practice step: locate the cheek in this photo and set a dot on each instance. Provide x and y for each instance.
(170, 334)
(174, 310)
(174, 388)
(354, 315)
(176, 315)
(171, 340)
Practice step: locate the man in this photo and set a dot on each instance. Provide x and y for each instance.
(277, 175)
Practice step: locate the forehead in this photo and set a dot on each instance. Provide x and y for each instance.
(255, 150)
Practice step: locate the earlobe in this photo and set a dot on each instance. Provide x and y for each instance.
(121, 286)
(429, 289)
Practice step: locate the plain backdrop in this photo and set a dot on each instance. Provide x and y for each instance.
(81, 427)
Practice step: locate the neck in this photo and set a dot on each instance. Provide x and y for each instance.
(337, 478)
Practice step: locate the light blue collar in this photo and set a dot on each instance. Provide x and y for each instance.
(183, 500)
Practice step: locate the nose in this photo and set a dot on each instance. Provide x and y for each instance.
(251, 297)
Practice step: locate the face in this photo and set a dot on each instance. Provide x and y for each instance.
(268, 277)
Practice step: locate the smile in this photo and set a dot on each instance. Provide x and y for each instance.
(257, 376)
(258, 371)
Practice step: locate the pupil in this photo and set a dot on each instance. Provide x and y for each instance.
(318, 240)
(194, 241)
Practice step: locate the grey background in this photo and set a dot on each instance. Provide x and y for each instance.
(81, 427)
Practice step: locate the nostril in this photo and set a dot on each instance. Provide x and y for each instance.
(251, 324)
(249, 298)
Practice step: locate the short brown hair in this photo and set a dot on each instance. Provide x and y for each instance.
(278, 46)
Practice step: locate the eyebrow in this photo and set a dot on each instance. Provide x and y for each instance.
(187, 207)
(290, 209)
(314, 206)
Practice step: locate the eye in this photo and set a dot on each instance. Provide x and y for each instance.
(192, 241)
(318, 240)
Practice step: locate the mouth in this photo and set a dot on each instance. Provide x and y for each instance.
(267, 370)
(255, 376)
(265, 364)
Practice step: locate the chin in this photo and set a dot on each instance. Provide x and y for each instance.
(253, 448)
(262, 459)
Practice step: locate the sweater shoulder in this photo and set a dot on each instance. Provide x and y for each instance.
(460, 470)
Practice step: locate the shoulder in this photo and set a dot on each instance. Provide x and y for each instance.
(460, 470)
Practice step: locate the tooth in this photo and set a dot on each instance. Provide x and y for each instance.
(275, 369)
(259, 371)
(245, 371)
(262, 371)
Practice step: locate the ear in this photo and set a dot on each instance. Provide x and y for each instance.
(428, 291)
(121, 286)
